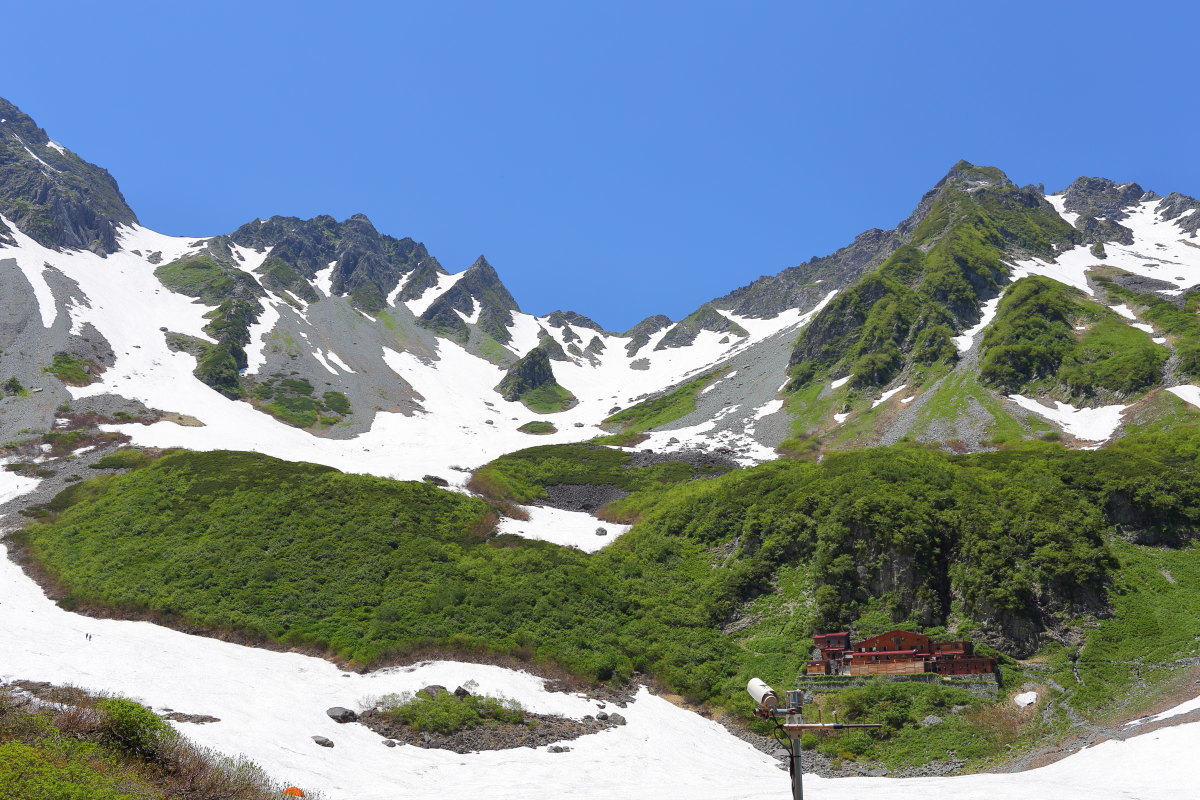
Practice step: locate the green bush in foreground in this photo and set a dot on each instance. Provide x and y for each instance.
(81, 748)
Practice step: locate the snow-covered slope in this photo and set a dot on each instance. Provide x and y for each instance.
(453, 399)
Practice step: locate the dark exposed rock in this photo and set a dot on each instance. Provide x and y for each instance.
(369, 265)
(388, 743)
(616, 719)
(52, 195)
(1176, 205)
(436, 481)
(479, 285)
(546, 730)
(601, 532)
(1097, 249)
(705, 318)
(433, 690)
(639, 335)
(528, 374)
(641, 364)
(559, 319)
(595, 346)
(1103, 230)
(340, 714)
(324, 742)
(460, 692)
(552, 348)
(1100, 197)
(198, 719)
(582, 497)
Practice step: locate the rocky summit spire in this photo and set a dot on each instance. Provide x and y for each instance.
(52, 195)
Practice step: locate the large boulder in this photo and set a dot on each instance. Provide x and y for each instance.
(321, 740)
(433, 690)
(343, 715)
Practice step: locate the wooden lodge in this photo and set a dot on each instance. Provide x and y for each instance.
(895, 653)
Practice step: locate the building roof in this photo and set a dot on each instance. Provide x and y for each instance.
(857, 653)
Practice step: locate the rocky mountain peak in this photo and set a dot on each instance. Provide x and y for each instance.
(367, 264)
(479, 291)
(1100, 197)
(52, 195)
(563, 319)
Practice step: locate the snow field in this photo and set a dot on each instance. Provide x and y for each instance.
(569, 528)
(1088, 424)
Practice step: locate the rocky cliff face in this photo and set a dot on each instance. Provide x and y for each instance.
(52, 195)
(367, 265)
(478, 292)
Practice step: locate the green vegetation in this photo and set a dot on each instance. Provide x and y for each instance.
(548, 399)
(204, 278)
(336, 402)
(83, 748)
(71, 370)
(1032, 343)
(538, 427)
(280, 276)
(448, 713)
(235, 295)
(522, 477)
(125, 458)
(14, 388)
(903, 315)
(669, 407)
(1181, 323)
(959, 393)
(531, 380)
(292, 400)
(719, 579)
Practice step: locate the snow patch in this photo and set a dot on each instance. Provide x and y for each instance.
(259, 331)
(1124, 311)
(883, 398)
(840, 418)
(1141, 326)
(13, 485)
(569, 528)
(1025, 699)
(1088, 424)
(323, 281)
(444, 284)
(987, 313)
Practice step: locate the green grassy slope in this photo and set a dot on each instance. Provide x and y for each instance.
(720, 579)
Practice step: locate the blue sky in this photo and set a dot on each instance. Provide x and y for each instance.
(616, 158)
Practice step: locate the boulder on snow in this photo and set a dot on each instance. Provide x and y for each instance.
(321, 740)
(616, 719)
(433, 690)
(339, 714)
(436, 481)
(388, 743)
(460, 693)
(601, 532)
(602, 716)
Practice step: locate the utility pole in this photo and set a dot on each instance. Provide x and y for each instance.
(793, 725)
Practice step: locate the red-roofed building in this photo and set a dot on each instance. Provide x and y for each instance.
(895, 653)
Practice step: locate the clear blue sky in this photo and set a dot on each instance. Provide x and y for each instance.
(615, 158)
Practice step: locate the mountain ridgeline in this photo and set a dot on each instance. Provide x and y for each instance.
(982, 423)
